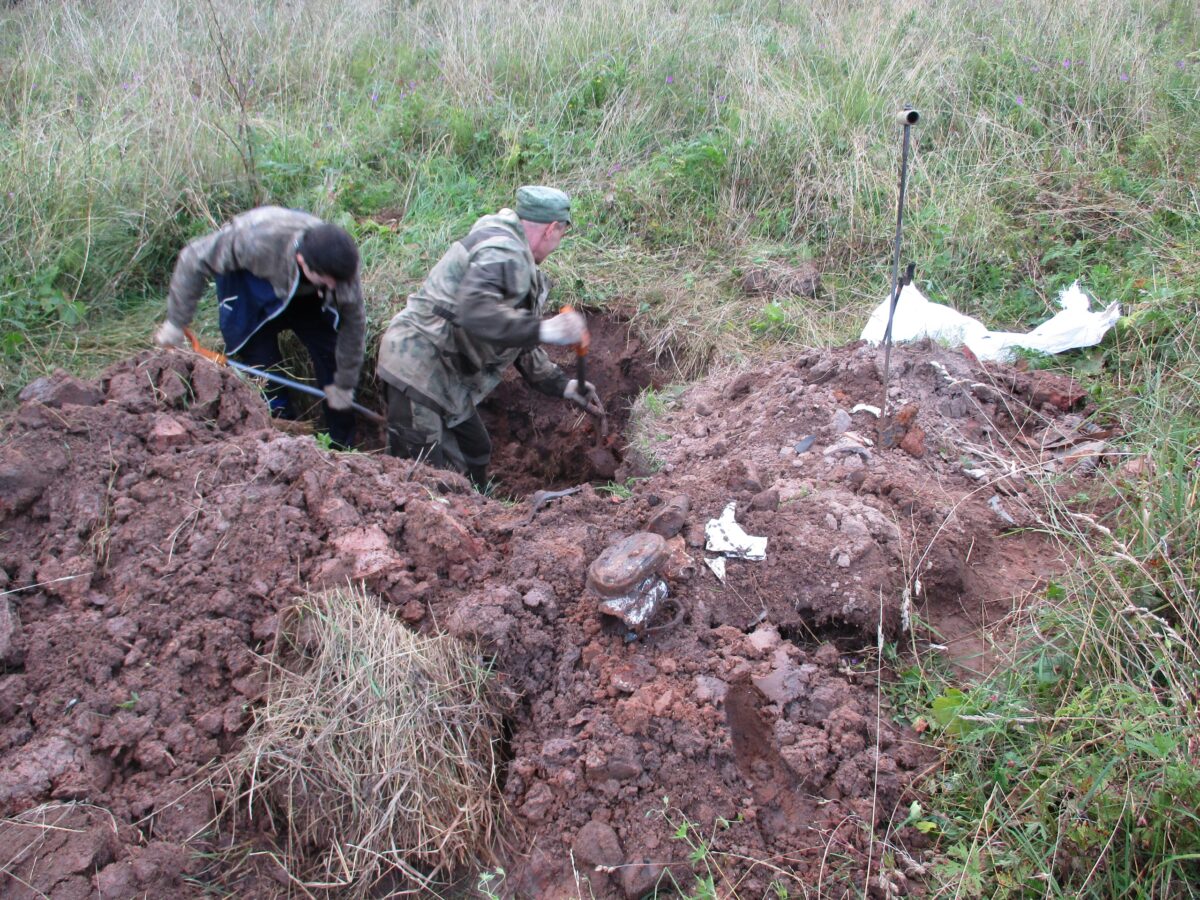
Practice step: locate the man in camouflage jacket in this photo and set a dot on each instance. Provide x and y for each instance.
(478, 311)
(280, 270)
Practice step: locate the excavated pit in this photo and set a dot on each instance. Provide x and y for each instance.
(543, 443)
(153, 525)
(539, 442)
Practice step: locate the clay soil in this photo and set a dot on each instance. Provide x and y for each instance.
(153, 525)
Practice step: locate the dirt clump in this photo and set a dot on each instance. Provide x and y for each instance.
(777, 279)
(152, 537)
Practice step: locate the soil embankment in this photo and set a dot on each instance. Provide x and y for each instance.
(153, 524)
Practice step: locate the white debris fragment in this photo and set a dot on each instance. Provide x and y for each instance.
(994, 503)
(866, 407)
(726, 536)
(846, 446)
(717, 564)
(638, 606)
(977, 474)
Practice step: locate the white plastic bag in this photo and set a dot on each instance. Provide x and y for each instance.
(916, 317)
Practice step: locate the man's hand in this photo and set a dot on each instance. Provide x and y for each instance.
(338, 398)
(588, 399)
(565, 328)
(169, 335)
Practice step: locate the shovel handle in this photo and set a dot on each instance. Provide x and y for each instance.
(581, 351)
(222, 360)
(219, 358)
(581, 370)
(581, 348)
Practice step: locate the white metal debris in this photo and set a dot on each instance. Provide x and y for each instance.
(638, 606)
(717, 564)
(726, 536)
(994, 503)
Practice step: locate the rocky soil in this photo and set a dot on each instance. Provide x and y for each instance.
(153, 524)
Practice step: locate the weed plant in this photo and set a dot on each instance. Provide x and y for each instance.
(1073, 771)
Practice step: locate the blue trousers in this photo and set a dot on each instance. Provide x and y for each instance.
(320, 340)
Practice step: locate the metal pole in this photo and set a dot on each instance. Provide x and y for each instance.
(222, 360)
(908, 117)
(368, 414)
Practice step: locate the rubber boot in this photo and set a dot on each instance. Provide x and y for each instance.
(479, 477)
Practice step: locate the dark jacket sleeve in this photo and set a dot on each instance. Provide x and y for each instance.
(540, 373)
(351, 336)
(493, 281)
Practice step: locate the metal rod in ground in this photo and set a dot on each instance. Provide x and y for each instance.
(908, 117)
(304, 388)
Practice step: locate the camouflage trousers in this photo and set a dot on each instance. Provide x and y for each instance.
(417, 432)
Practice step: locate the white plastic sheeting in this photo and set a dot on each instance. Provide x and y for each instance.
(1076, 325)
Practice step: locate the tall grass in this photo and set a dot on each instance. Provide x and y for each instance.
(697, 138)
(701, 138)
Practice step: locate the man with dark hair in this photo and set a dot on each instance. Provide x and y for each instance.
(478, 312)
(280, 270)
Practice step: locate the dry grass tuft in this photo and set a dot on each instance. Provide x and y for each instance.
(375, 752)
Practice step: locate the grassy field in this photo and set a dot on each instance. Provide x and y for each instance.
(701, 138)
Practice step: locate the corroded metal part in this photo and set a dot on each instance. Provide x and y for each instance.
(637, 607)
(625, 565)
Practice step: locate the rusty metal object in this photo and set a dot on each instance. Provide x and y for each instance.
(626, 564)
(541, 498)
(892, 429)
(679, 565)
(670, 519)
(626, 577)
(680, 611)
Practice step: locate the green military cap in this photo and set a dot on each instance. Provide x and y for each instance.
(538, 203)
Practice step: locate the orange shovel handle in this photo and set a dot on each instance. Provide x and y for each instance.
(219, 358)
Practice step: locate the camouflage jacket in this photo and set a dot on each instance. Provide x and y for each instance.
(263, 242)
(477, 313)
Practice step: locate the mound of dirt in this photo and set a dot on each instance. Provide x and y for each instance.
(152, 525)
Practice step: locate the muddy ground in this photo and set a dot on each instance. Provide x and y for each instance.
(153, 524)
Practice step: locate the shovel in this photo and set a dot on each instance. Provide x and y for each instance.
(581, 350)
(600, 459)
(222, 360)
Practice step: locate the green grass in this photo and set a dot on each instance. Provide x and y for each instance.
(700, 139)
(1075, 767)
(696, 138)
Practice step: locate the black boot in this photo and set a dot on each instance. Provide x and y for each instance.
(479, 477)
